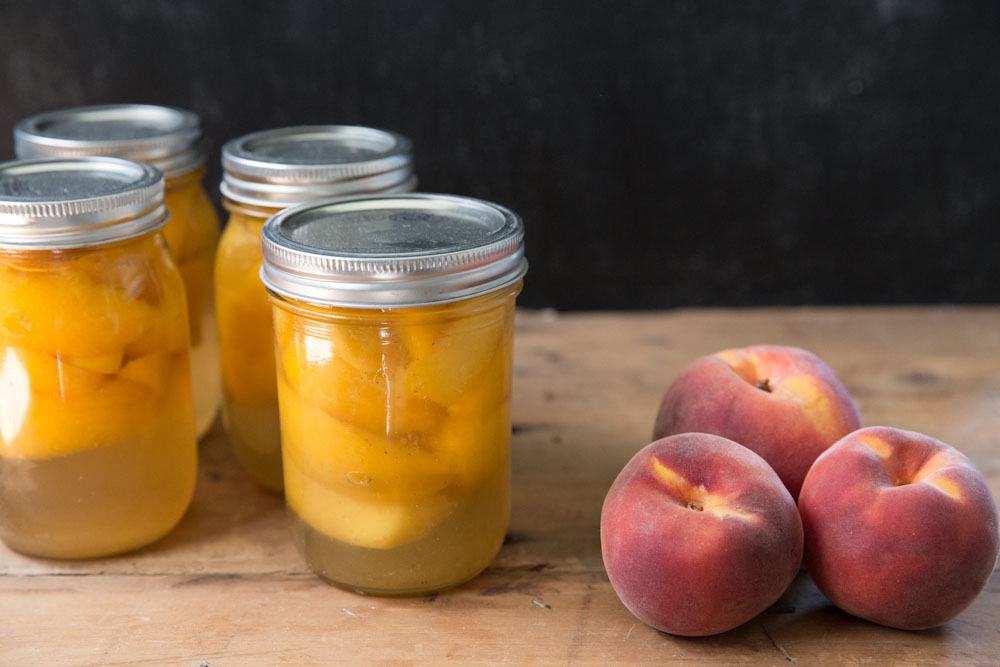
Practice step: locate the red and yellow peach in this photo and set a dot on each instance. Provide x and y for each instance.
(784, 403)
(900, 528)
(699, 535)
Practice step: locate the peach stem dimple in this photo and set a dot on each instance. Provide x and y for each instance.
(693, 497)
(765, 385)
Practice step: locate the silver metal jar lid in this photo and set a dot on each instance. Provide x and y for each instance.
(392, 251)
(169, 139)
(76, 202)
(292, 165)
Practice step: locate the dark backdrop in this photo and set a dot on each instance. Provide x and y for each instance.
(661, 153)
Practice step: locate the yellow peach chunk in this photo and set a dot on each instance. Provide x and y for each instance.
(364, 343)
(372, 399)
(475, 444)
(151, 371)
(35, 425)
(474, 438)
(106, 364)
(342, 455)
(166, 329)
(375, 525)
(367, 347)
(446, 356)
(60, 311)
(412, 415)
(490, 388)
(132, 274)
(46, 374)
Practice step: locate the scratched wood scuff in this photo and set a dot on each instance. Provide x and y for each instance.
(226, 587)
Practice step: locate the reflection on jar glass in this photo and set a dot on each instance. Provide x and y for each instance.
(394, 323)
(266, 172)
(170, 140)
(97, 444)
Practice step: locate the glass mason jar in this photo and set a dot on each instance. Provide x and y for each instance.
(170, 140)
(394, 324)
(263, 173)
(97, 445)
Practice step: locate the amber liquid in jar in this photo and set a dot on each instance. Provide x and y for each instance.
(192, 232)
(97, 453)
(396, 439)
(250, 395)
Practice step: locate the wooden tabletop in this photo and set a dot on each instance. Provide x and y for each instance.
(227, 587)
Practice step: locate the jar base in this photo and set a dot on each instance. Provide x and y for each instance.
(452, 553)
(27, 550)
(95, 503)
(377, 592)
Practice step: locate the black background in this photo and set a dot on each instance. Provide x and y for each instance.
(661, 153)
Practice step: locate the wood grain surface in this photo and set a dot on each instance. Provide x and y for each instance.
(227, 588)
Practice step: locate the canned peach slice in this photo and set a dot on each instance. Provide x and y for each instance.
(151, 371)
(163, 333)
(42, 426)
(375, 525)
(446, 357)
(366, 345)
(102, 322)
(44, 373)
(474, 444)
(472, 439)
(374, 399)
(341, 455)
(108, 363)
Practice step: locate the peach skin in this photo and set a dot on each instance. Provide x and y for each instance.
(784, 403)
(699, 535)
(900, 528)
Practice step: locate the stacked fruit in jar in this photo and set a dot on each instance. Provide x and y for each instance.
(395, 433)
(96, 385)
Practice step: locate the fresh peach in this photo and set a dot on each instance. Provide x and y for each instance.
(782, 402)
(900, 528)
(699, 535)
